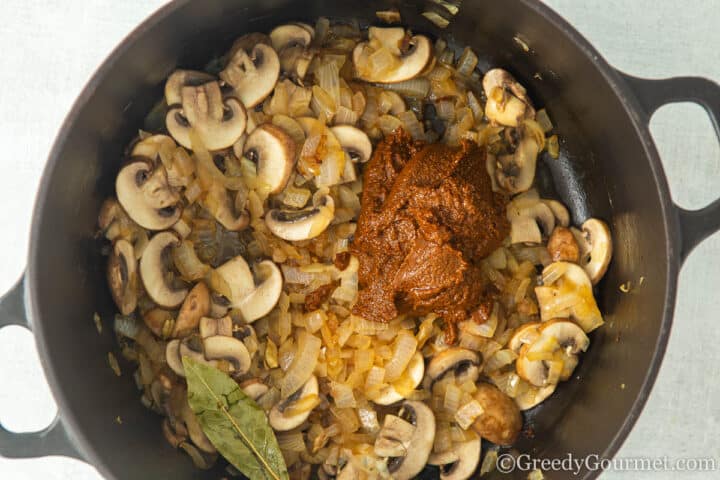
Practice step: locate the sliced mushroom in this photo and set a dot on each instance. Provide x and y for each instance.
(225, 208)
(252, 73)
(418, 446)
(195, 306)
(122, 276)
(515, 172)
(596, 248)
(143, 191)
(192, 347)
(248, 41)
(153, 269)
(219, 305)
(532, 396)
(558, 344)
(566, 292)
(210, 327)
(525, 334)
(530, 219)
(295, 61)
(303, 224)
(253, 298)
(500, 421)
(562, 246)
(463, 363)
(175, 436)
(562, 216)
(218, 123)
(414, 371)
(290, 35)
(274, 153)
(410, 55)
(182, 78)
(195, 431)
(354, 142)
(254, 388)
(282, 422)
(151, 146)
(507, 100)
(172, 357)
(468, 454)
(230, 349)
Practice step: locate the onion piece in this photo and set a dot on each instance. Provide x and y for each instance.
(303, 364)
(417, 87)
(405, 347)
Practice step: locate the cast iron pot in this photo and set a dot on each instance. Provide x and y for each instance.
(609, 168)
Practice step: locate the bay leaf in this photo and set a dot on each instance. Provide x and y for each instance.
(234, 423)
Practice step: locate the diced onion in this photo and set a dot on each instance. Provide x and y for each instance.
(417, 87)
(467, 414)
(301, 369)
(343, 395)
(467, 62)
(405, 347)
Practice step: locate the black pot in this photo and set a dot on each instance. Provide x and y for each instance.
(609, 168)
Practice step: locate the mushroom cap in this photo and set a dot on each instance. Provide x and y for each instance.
(281, 422)
(254, 388)
(151, 146)
(596, 248)
(533, 396)
(516, 171)
(237, 274)
(410, 63)
(152, 271)
(415, 370)
(523, 335)
(172, 357)
(143, 192)
(354, 141)
(217, 122)
(420, 445)
(230, 349)
(195, 306)
(530, 220)
(508, 103)
(462, 362)
(274, 152)
(225, 209)
(265, 295)
(500, 421)
(122, 276)
(570, 337)
(252, 73)
(468, 454)
(181, 78)
(302, 224)
(290, 35)
(248, 41)
(562, 216)
(210, 327)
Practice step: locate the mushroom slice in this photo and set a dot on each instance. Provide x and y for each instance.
(122, 276)
(217, 122)
(290, 35)
(530, 220)
(172, 357)
(195, 306)
(508, 103)
(562, 246)
(143, 191)
(410, 379)
(568, 335)
(230, 349)
(566, 292)
(354, 142)
(515, 172)
(210, 327)
(274, 153)
(463, 363)
(390, 57)
(182, 78)
(500, 421)
(596, 248)
(151, 146)
(562, 216)
(418, 446)
(153, 269)
(159, 321)
(195, 430)
(295, 61)
(254, 388)
(254, 300)
(532, 396)
(252, 73)
(468, 454)
(225, 209)
(524, 334)
(279, 417)
(248, 41)
(295, 225)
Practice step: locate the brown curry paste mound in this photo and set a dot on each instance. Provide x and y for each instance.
(428, 217)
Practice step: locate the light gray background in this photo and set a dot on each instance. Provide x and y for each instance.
(49, 49)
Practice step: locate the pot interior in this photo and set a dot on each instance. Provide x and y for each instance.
(605, 171)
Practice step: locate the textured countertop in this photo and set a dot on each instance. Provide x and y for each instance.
(51, 47)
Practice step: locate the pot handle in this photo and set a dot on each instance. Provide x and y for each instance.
(695, 225)
(54, 439)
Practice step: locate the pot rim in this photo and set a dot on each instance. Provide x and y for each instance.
(631, 106)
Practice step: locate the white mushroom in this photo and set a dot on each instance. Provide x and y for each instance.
(507, 100)
(566, 292)
(303, 224)
(354, 142)
(295, 61)
(216, 122)
(195, 430)
(532, 396)
(390, 57)
(122, 276)
(290, 35)
(226, 209)
(210, 327)
(253, 299)
(252, 74)
(229, 349)
(281, 416)
(274, 153)
(143, 191)
(462, 363)
(151, 146)
(530, 220)
(172, 357)
(195, 306)
(254, 388)
(416, 440)
(414, 372)
(182, 78)
(500, 421)
(596, 248)
(468, 454)
(515, 172)
(153, 269)
(523, 335)
(562, 216)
